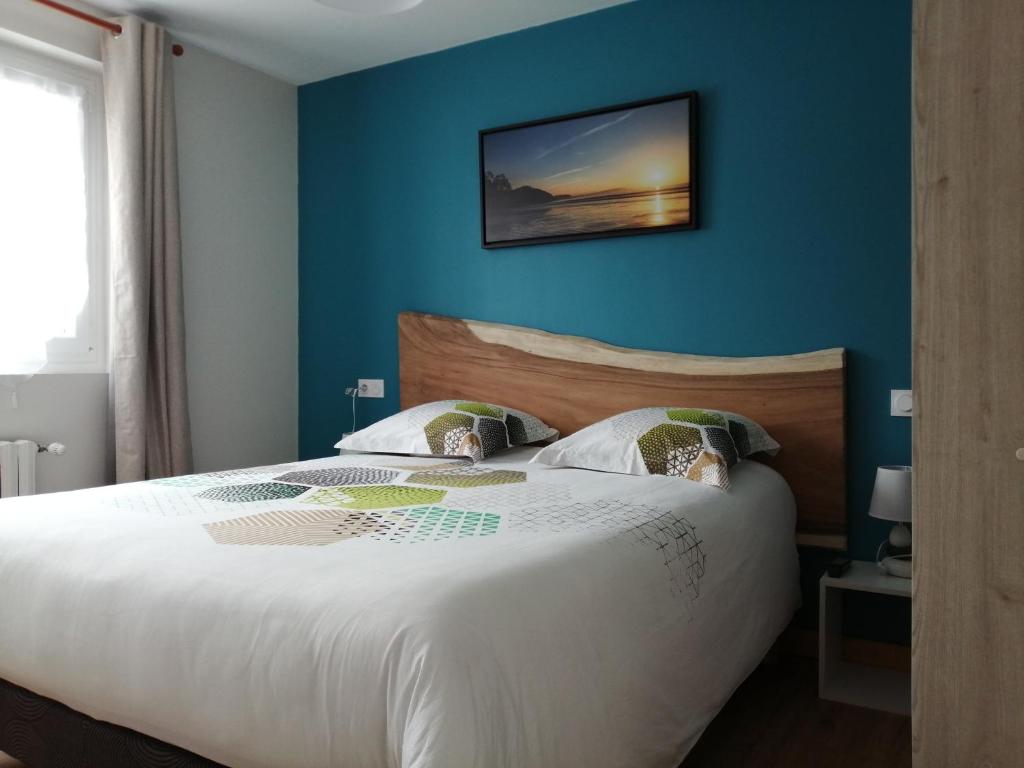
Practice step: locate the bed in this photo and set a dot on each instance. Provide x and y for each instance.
(430, 614)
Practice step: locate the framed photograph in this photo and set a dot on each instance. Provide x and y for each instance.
(630, 169)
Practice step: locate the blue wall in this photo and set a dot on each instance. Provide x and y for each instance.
(805, 221)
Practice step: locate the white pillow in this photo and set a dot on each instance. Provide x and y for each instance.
(693, 443)
(450, 428)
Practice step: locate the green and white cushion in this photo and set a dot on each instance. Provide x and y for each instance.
(749, 436)
(693, 443)
(450, 428)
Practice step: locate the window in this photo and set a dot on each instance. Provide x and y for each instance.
(52, 216)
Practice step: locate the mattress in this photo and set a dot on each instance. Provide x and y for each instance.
(394, 611)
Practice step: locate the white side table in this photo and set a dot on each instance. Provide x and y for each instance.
(839, 680)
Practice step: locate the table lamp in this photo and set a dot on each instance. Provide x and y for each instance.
(891, 501)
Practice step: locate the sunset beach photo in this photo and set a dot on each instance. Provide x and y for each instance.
(623, 170)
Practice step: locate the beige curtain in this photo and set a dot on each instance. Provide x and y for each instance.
(149, 403)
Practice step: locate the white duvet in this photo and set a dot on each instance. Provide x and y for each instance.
(533, 617)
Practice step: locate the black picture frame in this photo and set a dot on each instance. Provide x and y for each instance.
(692, 188)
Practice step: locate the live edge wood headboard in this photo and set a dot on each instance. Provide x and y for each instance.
(572, 382)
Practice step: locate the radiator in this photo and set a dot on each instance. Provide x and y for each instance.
(18, 465)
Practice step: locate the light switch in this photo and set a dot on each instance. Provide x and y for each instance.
(901, 402)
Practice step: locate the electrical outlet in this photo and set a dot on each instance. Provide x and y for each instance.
(901, 402)
(371, 387)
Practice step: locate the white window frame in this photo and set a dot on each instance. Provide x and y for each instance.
(86, 352)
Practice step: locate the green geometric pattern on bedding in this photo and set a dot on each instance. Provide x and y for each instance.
(414, 514)
(253, 492)
(680, 442)
(375, 496)
(747, 436)
(477, 430)
(697, 416)
(470, 477)
(481, 409)
(450, 433)
(339, 476)
(435, 523)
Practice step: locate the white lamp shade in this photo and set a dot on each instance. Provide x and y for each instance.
(891, 497)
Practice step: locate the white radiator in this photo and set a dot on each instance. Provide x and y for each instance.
(18, 465)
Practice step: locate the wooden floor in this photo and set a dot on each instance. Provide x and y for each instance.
(776, 719)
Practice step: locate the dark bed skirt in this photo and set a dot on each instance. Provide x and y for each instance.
(43, 733)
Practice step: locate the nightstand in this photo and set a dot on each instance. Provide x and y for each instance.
(839, 680)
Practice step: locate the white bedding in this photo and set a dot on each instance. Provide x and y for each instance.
(573, 619)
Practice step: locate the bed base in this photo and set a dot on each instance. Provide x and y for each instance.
(43, 733)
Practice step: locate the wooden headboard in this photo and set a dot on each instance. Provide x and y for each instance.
(572, 382)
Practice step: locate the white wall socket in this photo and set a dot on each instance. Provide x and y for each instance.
(371, 387)
(901, 402)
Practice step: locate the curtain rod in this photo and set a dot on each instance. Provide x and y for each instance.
(110, 26)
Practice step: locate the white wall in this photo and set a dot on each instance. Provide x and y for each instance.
(65, 409)
(32, 25)
(237, 146)
(238, 164)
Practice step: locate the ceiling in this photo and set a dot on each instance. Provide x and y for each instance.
(301, 41)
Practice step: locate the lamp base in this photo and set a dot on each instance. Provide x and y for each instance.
(897, 561)
(899, 537)
(900, 566)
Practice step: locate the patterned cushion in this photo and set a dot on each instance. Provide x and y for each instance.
(749, 436)
(694, 443)
(450, 428)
